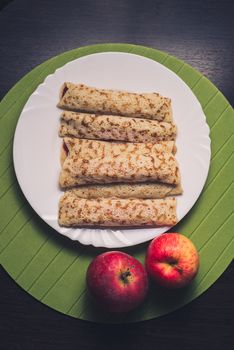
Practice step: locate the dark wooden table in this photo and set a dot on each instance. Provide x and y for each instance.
(199, 32)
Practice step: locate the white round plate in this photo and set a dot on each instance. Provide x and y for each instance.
(37, 146)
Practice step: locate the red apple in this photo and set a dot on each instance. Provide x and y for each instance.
(172, 260)
(117, 281)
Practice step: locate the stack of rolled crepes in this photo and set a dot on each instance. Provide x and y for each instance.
(118, 158)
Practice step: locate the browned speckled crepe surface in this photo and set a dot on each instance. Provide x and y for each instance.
(109, 127)
(75, 211)
(101, 162)
(79, 97)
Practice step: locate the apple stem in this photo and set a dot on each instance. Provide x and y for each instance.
(179, 269)
(124, 276)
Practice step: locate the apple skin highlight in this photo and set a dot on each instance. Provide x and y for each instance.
(117, 281)
(172, 260)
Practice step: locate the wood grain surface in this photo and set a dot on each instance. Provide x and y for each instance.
(199, 32)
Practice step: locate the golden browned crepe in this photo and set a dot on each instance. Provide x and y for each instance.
(167, 146)
(91, 148)
(109, 127)
(79, 97)
(128, 190)
(75, 211)
(90, 161)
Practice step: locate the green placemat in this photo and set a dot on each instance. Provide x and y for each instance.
(52, 268)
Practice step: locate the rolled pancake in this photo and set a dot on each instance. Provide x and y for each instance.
(90, 161)
(75, 211)
(93, 148)
(143, 191)
(109, 127)
(79, 97)
(81, 146)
